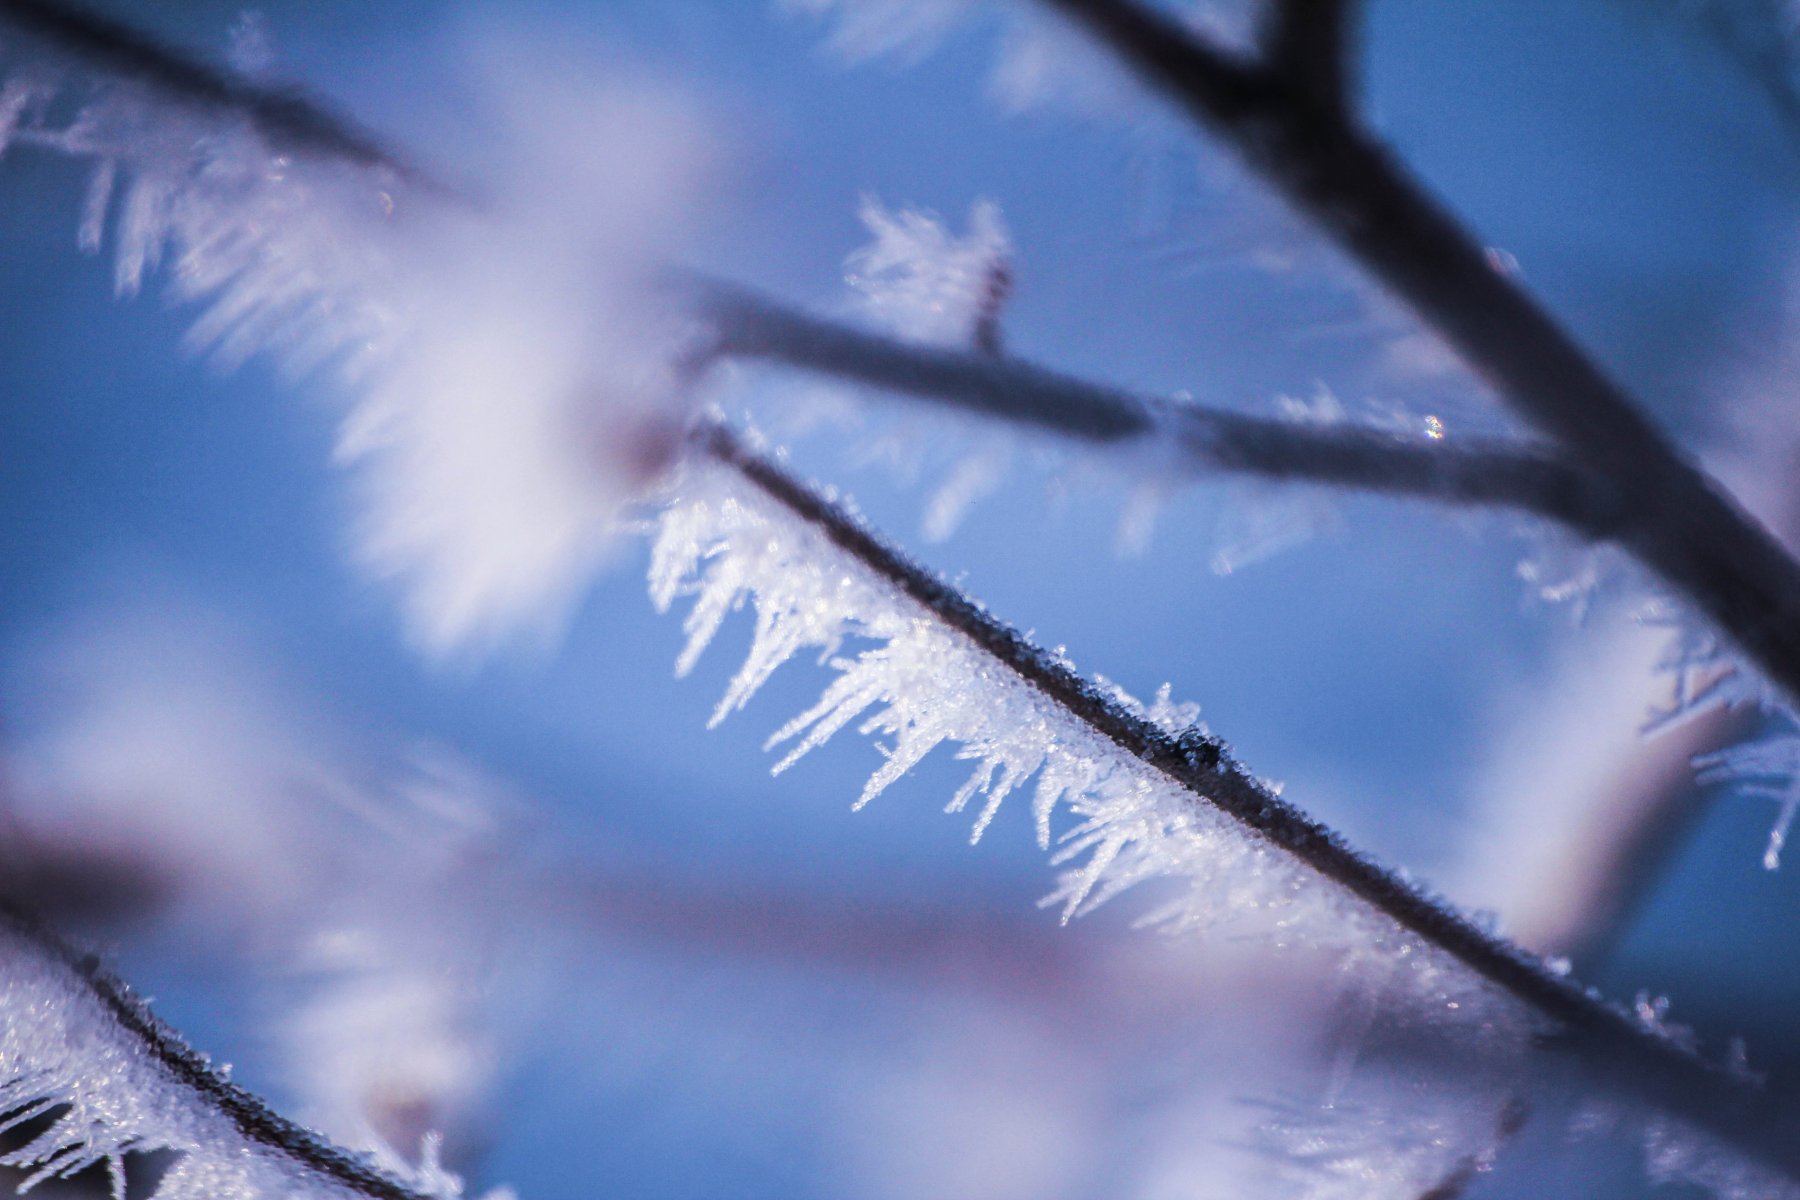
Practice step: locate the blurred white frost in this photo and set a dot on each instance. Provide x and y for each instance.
(504, 367)
(151, 742)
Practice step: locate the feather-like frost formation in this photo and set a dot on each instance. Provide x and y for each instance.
(110, 1081)
(506, 379)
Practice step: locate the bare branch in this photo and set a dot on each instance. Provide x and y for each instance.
(1310, 43)
(287, 118)
(1678, 521)
(1497, 473)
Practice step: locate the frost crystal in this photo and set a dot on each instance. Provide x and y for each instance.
(927, 285)
(504, 382)
(922, 684)
(108, 1081)
(1769, 767)
(1703, 672)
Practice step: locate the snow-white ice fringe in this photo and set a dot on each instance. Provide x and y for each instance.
(902, 673)
(81, 1055)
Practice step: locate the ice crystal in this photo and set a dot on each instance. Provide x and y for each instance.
(924, 283)
(919, 684)
(108, 1082)
(504, 383)
(1677, 1153)
(1704, 673)
(1767, 767)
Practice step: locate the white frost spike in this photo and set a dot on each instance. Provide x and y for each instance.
(1703, 673)
(923, 283)
(63, 1047)
(1767, 766)
(923, 684)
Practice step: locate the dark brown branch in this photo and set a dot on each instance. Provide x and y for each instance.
(1620, 1053)
(1310, 43)
(1491, 473)
(1678, 521)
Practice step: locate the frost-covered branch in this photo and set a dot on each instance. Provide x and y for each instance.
(1620, 1051)
(79, 1050)
(287, 118)
(1676, 519)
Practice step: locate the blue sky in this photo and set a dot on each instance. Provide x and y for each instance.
(1643, 184)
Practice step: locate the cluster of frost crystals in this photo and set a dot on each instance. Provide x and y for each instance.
(876, 28)
(925, 284)
(66, 1054)
(920, 684)
(1767, 767)
(504, 383)
(1108, 819)
(1413, 1141)
(1703, 672)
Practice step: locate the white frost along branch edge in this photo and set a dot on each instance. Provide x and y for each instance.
(79, 1052)
(924, 682)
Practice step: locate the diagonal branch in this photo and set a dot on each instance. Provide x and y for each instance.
(1677, 520)
(189, 1070)
(1309, 42)
(1621, 1053)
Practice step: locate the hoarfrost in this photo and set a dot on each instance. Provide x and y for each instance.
(501, 370)
(1677, 1153)
(111, 1081)
(924, 283)
(1768, 767)
(922, 684)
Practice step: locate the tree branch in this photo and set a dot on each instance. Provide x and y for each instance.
(248, 1114)
(287, 118)
(1678, 521)
(1495, 472)
(1310, 43)
(1620, 1053)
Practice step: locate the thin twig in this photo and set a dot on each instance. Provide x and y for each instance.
(1621, 1052)
(288, 118)
(251, 1117)
(1480, 472)
(1678, 521)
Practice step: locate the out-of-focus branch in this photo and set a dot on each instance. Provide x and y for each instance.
(1311, 42)
(1618, 1051)
(1181, 436)
(249, 1115)
(1678, 521)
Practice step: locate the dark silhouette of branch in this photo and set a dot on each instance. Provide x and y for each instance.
(1485, 472)
(1310, 43)
(1677, 520)
(248, 1114)
(1621, 1053)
